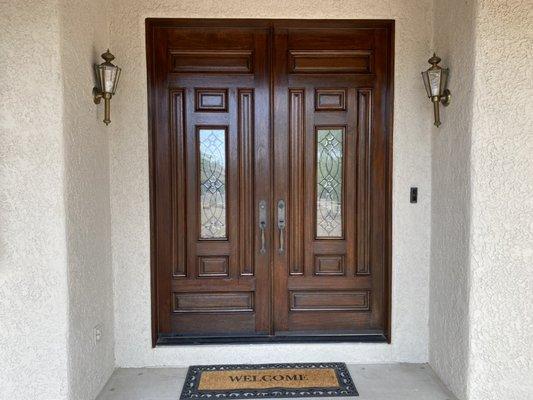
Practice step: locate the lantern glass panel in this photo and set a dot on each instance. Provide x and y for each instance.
(425, 78)
(107, 76)
(434, 76)
(444, 80)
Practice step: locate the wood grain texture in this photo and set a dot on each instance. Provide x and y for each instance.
(337, 79)
(296, 178)
(213, 302)
(246, 180)
(272, 86)
(330, 99)
(210, 76)
(330, 61)
(212, 61)
(330, 300)
(211, 99)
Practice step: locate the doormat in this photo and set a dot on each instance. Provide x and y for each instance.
(257, 381)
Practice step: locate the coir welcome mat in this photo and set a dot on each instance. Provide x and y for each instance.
(268, 381)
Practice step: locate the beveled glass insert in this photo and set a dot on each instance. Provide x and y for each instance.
(329, 171)
(212, 183)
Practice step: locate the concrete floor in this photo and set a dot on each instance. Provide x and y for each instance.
(373, 382)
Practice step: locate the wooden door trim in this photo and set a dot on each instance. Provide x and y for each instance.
(389, 27)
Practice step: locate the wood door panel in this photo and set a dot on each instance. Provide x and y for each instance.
(330, 61)
(210, 149)
(250, 111)
(208, 61)
(329, 321)
(348, 300)
(330, 264)
(213, 302)
(330, 99)
(334, 143)
(213, 266)
(211, 99)
(206, 324)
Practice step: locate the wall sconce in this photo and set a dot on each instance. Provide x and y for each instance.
(107, 76)
(435, 81)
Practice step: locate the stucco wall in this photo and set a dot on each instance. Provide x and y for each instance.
(481, 322)
(33, 282)
(59, 176)
(130, 195)
(501, 314)
(88, 220)
(454, 42)
(55, 251)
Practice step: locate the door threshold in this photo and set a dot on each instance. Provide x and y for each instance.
(174, 340)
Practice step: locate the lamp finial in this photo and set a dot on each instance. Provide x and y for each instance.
(107, 56)
(434, 60)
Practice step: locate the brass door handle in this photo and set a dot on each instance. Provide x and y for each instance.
(262, 225)
(281, 226)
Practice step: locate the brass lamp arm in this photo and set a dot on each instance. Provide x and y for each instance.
(444, 99)
(97, 97)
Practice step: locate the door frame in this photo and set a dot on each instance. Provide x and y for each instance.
(389, 27)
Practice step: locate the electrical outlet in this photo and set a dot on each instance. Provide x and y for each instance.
(97, 333)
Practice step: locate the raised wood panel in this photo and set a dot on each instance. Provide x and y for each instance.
(330, 99)
(364, 128)
(296, 179)
(329, 265)
(178, 172)
(214, 100)
(213, 302)
(246, 176)
(330, 300)
(213, 267)
(209, 324)
(212, 61)
(326, 321)
(330, 61)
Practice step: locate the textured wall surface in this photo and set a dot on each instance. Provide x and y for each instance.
(130, 194)
(64, 177)
(450, 199)
(55, 251)
(481, 321)
(88, 220)
(33, 282)
(501, 313)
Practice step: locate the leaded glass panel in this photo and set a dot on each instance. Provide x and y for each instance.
(212, 183)
(329, 173)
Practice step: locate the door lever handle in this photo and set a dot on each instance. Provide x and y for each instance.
(262, 225)
(281, 226)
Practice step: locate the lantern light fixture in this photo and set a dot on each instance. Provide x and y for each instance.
(107, 75)
(435, 81)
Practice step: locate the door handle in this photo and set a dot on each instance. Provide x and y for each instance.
(262, 225)
(281, 226)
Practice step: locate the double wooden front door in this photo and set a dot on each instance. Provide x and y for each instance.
(270, 184)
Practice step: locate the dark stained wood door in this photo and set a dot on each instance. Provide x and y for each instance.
(331, 163)
(211, 171)
(270, 179)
